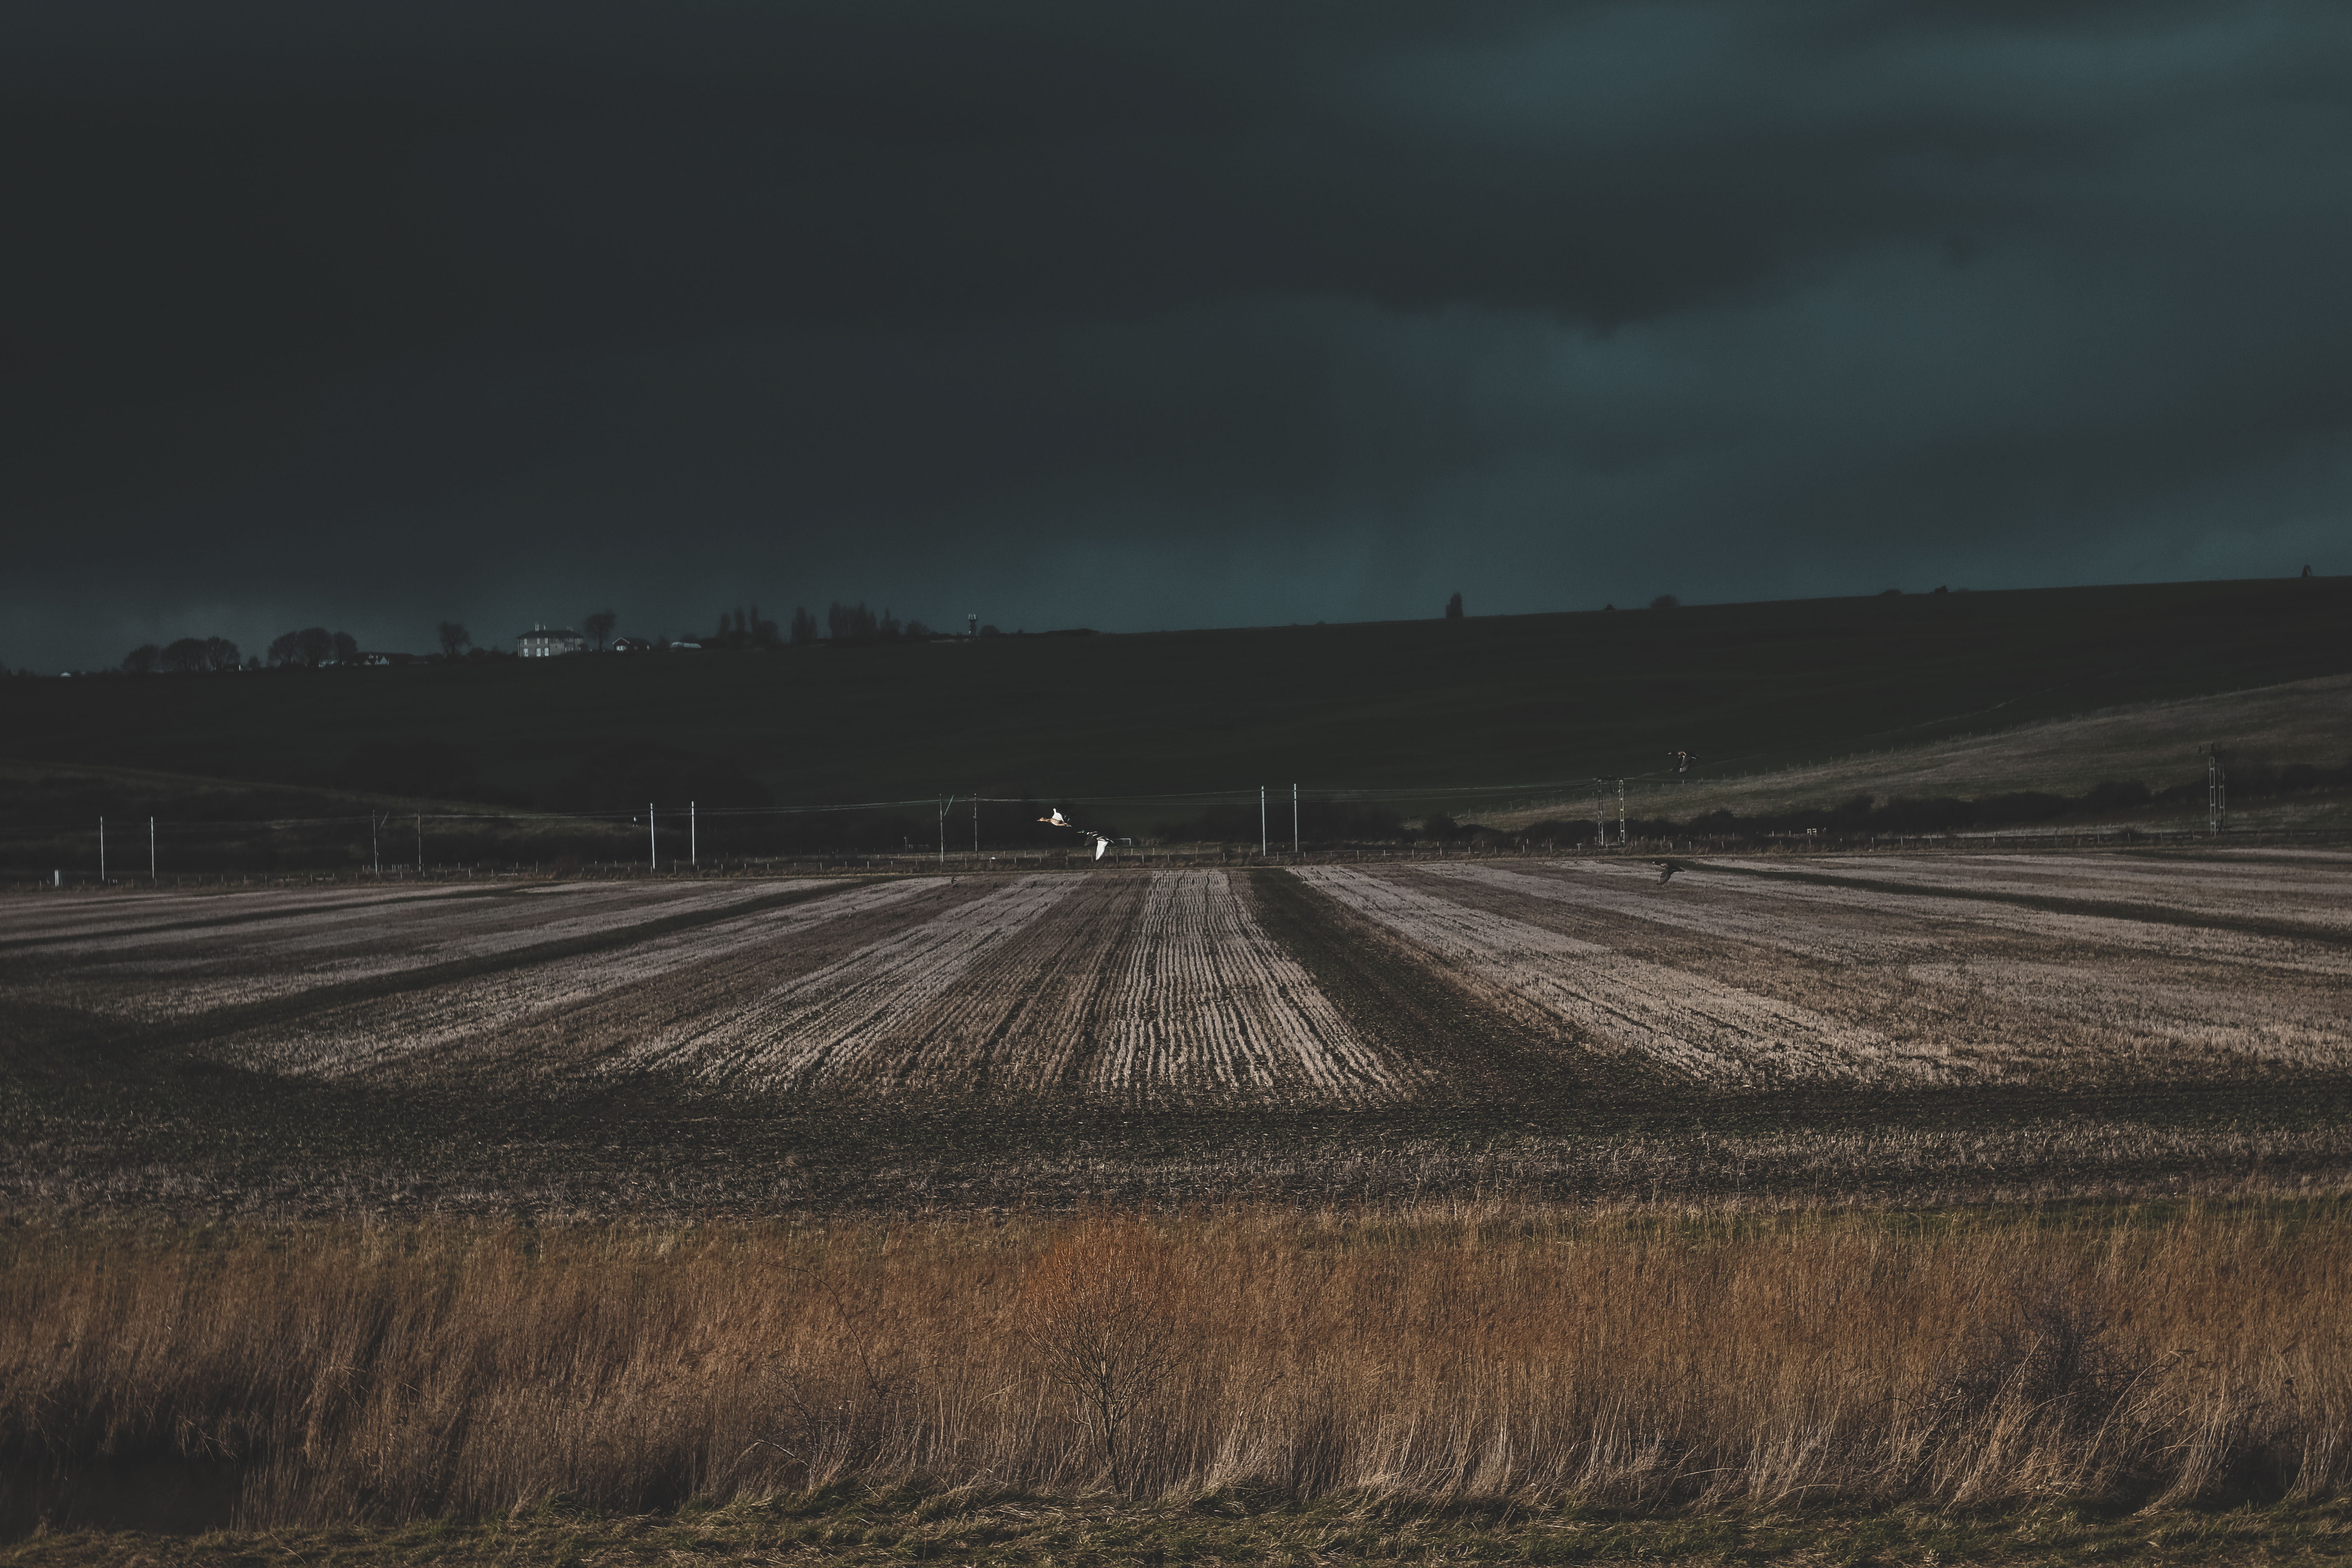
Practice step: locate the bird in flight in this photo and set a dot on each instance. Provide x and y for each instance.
(1057, 819)
(1101, 843)
(1667, 870)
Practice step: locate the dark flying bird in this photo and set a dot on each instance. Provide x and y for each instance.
(1668, 868)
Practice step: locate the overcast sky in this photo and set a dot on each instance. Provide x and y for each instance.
(1144, 317)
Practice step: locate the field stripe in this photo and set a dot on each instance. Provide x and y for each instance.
(1998, 1004)
(488, 1011)
(2221, 940)
(1208, 1007)
(2294, 897)
(1444, 1039)
(421, 948)
(2048, 904)
(1692, 903)
(1022, 1019)
(831, 1027)
(1684, 1022)
(280, 906)
(2150, 1024)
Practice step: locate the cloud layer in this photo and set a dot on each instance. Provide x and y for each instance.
(1140, 317)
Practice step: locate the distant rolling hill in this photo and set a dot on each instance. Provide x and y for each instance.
(1464, 716)
(2264, 733)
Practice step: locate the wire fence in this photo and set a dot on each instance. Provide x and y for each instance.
(956, 834)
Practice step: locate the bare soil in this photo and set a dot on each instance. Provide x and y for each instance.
(2010, 1025)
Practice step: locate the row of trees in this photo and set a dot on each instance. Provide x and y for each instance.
(189, 655)
(742, 627)
(305, 649)
(312, 647)
(855, 623)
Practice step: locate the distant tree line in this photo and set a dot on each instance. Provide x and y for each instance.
(855, 623)
(189, 655)
(313, 646)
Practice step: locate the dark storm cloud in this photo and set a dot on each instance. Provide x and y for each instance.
(1155, 317)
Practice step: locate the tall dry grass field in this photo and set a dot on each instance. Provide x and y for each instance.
(383, 1373)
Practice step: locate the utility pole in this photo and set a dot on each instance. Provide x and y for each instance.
(101, 852)
(1261, 821)
(653, 847)
(1600, 816)
(693, 843)
(2217, 791)
(375, 849)
(420, 844)
(150, 850)
(1293, 819)
(945, 801)
(1621, 813)
(976, 824)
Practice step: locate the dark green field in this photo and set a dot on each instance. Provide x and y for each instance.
(1418, 710)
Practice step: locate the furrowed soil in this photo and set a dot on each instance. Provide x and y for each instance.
(1933, 1028)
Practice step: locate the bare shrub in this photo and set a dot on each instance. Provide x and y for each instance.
(2048, 1374)
(1094, 1316)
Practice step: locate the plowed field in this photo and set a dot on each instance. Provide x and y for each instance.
(1167, 988)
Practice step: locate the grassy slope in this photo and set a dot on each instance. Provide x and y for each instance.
(2155, 744)
(1413, 707)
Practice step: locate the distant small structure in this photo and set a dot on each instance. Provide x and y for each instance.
(541, 642)
(633, 644)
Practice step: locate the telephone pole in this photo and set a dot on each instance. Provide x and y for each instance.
(653, 846)
(150, 850)
(101, 852)
(1293, 819)
(2217, 791)
(693, 843)
(1261, 821)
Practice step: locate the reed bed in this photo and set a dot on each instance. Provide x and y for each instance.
(1648, 1358)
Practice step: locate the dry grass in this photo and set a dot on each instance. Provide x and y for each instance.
(984, 1525)
(1483, 1351)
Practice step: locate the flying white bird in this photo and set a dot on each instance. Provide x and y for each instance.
(1057, 819)
(1101, 843)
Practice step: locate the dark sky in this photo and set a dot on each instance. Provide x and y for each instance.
(1142, 316)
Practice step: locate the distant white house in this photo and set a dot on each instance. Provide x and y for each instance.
(540, 642)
